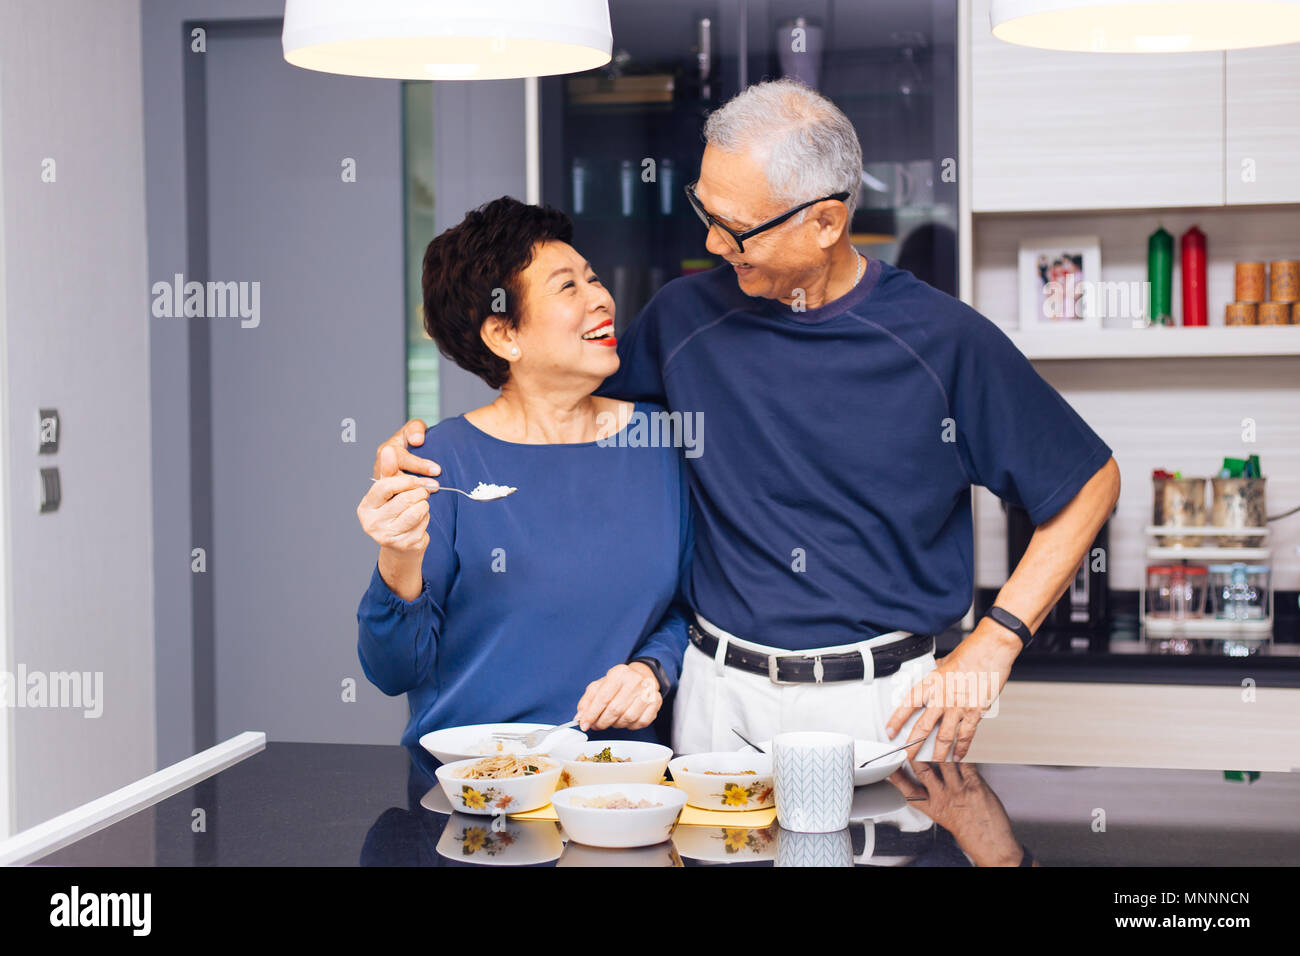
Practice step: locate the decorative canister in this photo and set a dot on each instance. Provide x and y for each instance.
(1238, 503)
(1284, 280)
(1239, 313)
(1179, 502)
(1250, 284)
(1274, 313)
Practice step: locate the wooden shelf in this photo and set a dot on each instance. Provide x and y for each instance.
(1159, 342)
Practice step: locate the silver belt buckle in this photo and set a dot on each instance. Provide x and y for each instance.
(773, 661)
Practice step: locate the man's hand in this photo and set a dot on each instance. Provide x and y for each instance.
(957, 692)
(412, 433)
(957, 798)
(627, 696)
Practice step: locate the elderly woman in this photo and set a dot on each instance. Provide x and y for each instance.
(562, 598)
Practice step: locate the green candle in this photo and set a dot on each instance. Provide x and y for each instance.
(1160, 273)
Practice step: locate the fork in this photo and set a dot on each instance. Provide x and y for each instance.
(535, 737)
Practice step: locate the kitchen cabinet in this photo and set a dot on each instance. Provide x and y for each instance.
(1263, 125)
(1053, 130)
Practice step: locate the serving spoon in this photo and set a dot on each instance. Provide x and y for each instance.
(501, 492)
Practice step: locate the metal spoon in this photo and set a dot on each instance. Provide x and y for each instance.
(888, 752)
(494, 496)
(748, 741)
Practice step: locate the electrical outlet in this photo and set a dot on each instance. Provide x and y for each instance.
(51, 493)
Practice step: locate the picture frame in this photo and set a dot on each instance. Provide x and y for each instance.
(1058, 283)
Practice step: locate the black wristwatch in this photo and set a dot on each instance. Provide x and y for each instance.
(657, 669)
(1011, 623)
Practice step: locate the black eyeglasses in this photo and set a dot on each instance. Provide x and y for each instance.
(737, 239)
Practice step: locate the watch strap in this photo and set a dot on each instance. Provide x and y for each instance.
(1011, 623)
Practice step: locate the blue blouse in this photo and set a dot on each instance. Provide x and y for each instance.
(528, 599)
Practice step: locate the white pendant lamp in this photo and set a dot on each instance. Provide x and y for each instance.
(1146, 26)
(447, 39)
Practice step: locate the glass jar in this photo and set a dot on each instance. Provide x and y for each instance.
(1179, 502)
(1176, 591)
(1240, 591)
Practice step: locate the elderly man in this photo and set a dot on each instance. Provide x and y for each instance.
(849, 408)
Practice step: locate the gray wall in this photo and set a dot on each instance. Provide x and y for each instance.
(77, 312)
(478, 155)
(210, 686)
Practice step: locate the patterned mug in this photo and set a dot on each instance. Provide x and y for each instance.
(813, 778)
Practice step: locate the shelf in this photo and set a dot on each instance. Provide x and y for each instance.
(1159, 342)
(1209, 627)
(1227, 555)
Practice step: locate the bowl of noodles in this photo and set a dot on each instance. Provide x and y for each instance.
(505, 783)
(611, 761)
(476, 740)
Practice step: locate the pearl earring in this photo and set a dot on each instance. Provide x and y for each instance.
(515, 350)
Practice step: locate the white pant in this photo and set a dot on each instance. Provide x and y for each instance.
(712, 698)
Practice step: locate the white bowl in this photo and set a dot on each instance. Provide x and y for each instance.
(735, 790)
(596, 826)
(500, 794)
(471, 839)
(661, 854)
(646, 766)
(863, 750)
(459, 743)
(726, 844)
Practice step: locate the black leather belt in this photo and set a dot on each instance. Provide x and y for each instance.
(813, 669)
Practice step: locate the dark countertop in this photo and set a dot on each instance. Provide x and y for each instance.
(298, 804)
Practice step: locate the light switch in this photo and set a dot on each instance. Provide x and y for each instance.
(51, 494)
(49, 431)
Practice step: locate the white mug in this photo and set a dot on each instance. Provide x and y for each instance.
(813, 779)
(814, 849)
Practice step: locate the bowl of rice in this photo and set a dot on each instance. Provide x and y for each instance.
(505, 783)
(619, 814)
(611, 761)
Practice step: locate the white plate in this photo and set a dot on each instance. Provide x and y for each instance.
(457, 743)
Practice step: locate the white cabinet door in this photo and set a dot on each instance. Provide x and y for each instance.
(1092, 130)
(1263, 151)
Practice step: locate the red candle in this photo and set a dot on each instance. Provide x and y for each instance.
(1193, 255)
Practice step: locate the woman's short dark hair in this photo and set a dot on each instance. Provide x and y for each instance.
(466, 265)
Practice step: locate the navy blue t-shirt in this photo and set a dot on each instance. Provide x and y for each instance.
(831, 477)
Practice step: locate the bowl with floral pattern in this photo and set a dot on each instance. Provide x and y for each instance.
(727, 780)
(500, 841)
(468, 792)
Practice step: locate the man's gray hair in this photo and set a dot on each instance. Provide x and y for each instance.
(806, 144)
